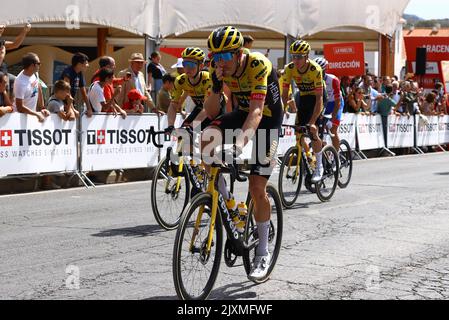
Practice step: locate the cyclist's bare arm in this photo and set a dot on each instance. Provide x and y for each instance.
(212, 105)
(336, 109)
(172, 109)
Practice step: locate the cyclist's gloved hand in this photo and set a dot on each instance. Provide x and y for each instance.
(169, 129)
(217, 85)
(236, 151)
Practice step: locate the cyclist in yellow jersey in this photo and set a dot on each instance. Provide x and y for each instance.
(308, 76)
(257, 113)
(196, 84)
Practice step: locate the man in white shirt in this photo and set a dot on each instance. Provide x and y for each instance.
(97, 98)
(27, 90)
(137, 81)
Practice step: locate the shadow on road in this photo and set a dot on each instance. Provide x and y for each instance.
(234, 291)
(442, 174)
(303, 205)
(139, 231)
(161, 298)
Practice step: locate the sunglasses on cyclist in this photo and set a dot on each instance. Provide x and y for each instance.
(226, 56)
(298, 56)
(189, 64)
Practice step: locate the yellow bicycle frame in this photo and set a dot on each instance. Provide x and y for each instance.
(212, 191)
(180, 167)
(299, 137)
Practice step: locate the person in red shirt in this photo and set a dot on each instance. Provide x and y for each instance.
(110, 90)
(134, 105)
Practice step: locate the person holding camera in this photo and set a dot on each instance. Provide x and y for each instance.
(372, 96)
(356, 102)
(409, 104)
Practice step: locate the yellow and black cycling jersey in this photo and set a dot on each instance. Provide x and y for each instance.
(257, 82)
(198, 91)
(309, 83)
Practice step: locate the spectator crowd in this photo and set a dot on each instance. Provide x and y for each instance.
(126, 92)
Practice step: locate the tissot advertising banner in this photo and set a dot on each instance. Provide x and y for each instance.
(28, 146)
(400, 132)
(370, 132)
(109, 142)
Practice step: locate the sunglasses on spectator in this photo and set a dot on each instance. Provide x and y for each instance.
(225, 56)
(189, 64)
(298, 56)
(37, 63)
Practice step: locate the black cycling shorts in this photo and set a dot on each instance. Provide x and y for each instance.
(305, 106)
(267, 135)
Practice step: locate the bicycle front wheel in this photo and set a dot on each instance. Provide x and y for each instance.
(290, 178)
(195, 269)
(325, 189)
(251, 236)
(168, 199)
(345, 156)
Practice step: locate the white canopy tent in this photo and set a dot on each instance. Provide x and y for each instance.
(166, 20)
(158, 19)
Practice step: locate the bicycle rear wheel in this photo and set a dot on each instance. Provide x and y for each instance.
(325, 189)
(194, 269)
(345, 156)
(167, 201)
(275, 236)
(290, 178)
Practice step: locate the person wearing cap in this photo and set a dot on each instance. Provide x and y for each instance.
(179, 68)
(136, 81)
(134, 104)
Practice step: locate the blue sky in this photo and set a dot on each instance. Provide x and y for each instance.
(429, 9)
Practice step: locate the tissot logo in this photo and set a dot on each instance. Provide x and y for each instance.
(5, 138)
(101, 137)
(8, 138)
(119, 137)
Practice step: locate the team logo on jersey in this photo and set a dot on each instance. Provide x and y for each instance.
(182, 80)
(255, 63)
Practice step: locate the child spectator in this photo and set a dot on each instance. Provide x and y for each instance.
(134, 103)
(62, 102)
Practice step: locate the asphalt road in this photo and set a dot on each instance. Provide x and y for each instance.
(385, 237)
